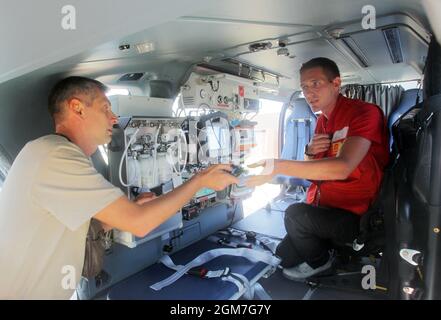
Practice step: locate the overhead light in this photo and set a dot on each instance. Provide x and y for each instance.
(267, 87)
(145, 47)
(355, 50)
(283, 43)
(117, 91)
(393, 41)
(283, 51)
(124, 47)
(351, 78)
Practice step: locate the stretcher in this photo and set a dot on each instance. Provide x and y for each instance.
(194, 286)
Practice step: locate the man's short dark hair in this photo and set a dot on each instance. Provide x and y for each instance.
(329, 67)
(70, 87)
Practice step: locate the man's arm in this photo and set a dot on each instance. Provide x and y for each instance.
(140, 199)
(352, 152)
(141, 219)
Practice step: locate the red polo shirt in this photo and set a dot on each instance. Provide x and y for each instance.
(352, 118)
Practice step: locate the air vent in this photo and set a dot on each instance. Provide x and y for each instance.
(355, 50)
(188, 101)
(131, 76)
(393, 41)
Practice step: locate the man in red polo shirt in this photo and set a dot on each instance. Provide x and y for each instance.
(344, 161)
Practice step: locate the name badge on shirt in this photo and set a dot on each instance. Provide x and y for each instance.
(338, 138)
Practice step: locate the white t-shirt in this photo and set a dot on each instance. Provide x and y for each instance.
(46, 203)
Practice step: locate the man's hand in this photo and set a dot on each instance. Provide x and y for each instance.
(216, 177)
(267, 164)
(261, 163)
(265, 176)
(145, 197)
(254, 181)
(319, 143)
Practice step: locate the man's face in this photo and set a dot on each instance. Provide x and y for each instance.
(319, 91)
(100, 119)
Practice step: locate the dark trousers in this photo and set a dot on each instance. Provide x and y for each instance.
(312, 231)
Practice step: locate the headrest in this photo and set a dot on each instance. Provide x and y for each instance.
(301, 110)
(407, 101)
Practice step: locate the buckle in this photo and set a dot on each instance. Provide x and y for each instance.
(199, 272)
(356, 246)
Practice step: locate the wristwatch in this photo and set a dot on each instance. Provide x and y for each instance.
(306, 151)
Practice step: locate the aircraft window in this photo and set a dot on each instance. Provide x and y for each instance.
(5, 165)
(270, 107)
(266, 136)
(175, 106)
(413, 84)
(103, 151)
(407, 85)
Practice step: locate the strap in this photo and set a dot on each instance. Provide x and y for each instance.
(249, 289)
(301, 139)
(240, 281)
(309, 294)
(287, 143)
(223, 274)
(250, 254)
(167, 261)
(295, 138)
(236, 282)
(307, 130)
(260, 292)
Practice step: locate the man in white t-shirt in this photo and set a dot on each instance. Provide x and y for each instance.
(52, 191)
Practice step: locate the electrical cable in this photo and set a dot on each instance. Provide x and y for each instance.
(178, 171)
(155, 154)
